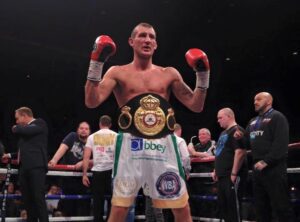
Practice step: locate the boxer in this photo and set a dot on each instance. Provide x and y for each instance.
(146, 152)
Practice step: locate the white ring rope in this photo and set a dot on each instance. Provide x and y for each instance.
(50, 173)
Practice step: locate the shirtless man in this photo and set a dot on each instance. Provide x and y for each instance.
(142, 162)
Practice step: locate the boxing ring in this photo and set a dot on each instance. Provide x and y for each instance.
(69, 170)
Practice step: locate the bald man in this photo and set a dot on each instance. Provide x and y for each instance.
(269, 138)
(230, 166)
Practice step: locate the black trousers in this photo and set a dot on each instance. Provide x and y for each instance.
(229, 199)
(32, 183)
(270, 191)
(101, 186)
(77, 207)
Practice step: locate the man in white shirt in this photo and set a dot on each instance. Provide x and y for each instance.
(101, 145)
(183, 149)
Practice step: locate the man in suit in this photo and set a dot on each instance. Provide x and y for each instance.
(32, 134)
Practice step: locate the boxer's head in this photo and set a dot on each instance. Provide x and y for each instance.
(143, 40)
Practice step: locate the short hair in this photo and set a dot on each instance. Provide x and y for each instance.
(144, 24)
(229, 112)
(177, 126)
(206, 130)
(105, 120)
(24, 111)
(83, 122)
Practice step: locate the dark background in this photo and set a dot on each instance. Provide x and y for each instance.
(252, 45)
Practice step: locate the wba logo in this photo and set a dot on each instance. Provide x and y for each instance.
(139, 144)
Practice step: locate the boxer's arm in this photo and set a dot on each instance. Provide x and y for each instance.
(97, 92)
(96, 88)
(194, 100)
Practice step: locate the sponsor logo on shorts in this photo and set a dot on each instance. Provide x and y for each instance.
(139, 144)
(124, 186)
(168, 185)
(136, 144)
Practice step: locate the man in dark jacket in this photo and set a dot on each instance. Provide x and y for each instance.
(32, 134)
(269, 138)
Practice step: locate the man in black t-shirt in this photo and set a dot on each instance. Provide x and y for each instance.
(229, 166)
(70, 152)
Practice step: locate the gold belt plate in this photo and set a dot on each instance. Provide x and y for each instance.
(149, 118)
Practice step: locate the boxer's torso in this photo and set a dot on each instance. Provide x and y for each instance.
(132, 82)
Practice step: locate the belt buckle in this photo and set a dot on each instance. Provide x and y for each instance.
(149, 118)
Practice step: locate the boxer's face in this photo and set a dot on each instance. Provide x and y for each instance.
(144, 41)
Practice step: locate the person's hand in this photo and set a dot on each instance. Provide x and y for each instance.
(214, 176)
(52, 163)
(204, 154)
(197, 59)
(6, 157)
(233, 178)
(78, 166)
(85, 181)
(260, 165)
(104, 48)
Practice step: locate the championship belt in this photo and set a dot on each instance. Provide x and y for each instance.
(148, 116)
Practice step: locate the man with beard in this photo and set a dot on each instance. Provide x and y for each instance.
(269, 138)
(71, 153)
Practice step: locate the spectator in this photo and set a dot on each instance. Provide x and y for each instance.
(23, 215)
(205, 147)
(52, 203)
(229, 166)
(71, 153)
(12, 209)
(100, 145)
(183, 150)
(202, 186)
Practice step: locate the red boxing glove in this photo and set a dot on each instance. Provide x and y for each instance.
(197, 59)
(104, 48)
